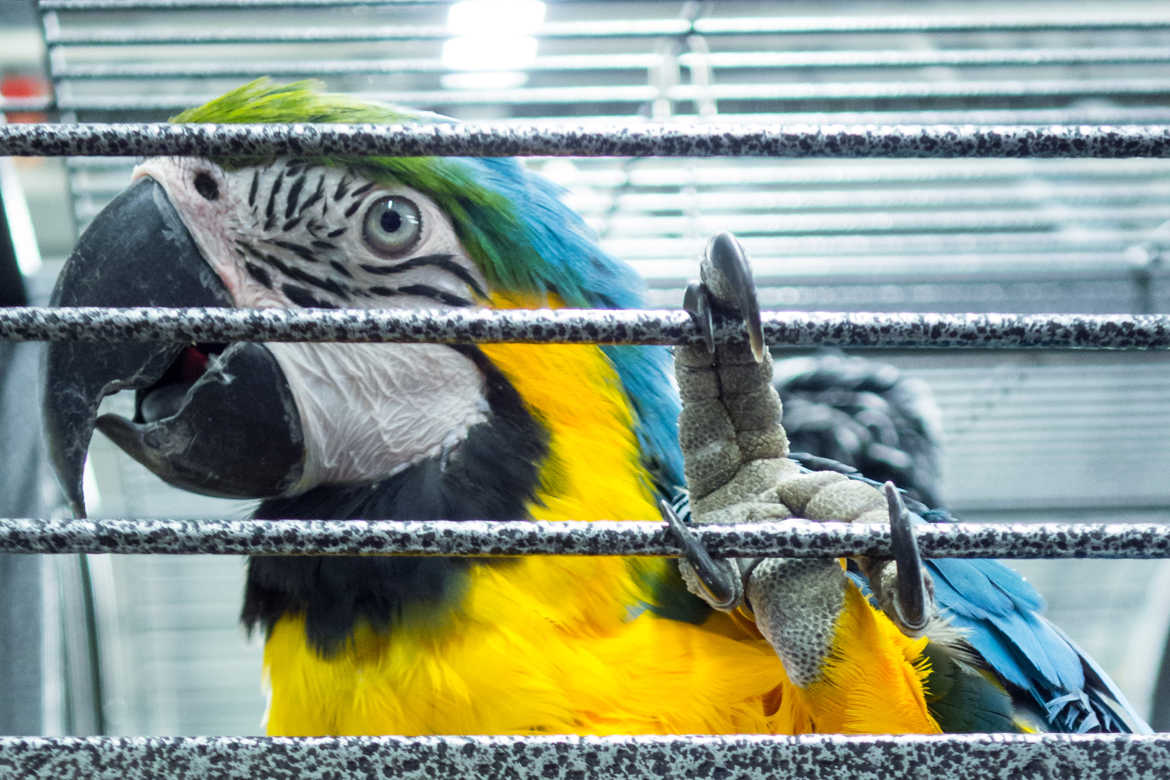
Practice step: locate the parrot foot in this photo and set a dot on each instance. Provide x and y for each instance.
(735, 456)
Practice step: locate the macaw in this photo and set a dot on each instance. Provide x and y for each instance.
(540, 645)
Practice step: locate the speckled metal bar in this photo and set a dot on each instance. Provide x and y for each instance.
(578, 326)
(813, 756)
(795, 538)
(661, 140)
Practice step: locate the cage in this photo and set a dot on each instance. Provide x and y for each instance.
(1027, 436)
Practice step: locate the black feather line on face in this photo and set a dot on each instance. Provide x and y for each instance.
(492, 475)
(434, 293)
(300, 251)
(317, 195)
(445, 262)
(258, 273)
(270, 207)
(252, 189)
(296, 274)
(294, 194)
(302, 297)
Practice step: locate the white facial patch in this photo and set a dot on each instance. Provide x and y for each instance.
(370, 410)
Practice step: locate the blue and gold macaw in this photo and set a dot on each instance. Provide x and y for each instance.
(401, 645)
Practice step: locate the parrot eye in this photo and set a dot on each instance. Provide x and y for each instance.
(392, 225)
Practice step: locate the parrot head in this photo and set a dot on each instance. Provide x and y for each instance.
(251, 420)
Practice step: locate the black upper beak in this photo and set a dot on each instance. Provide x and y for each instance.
(217, 419)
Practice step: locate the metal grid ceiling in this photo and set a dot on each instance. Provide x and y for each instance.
(1028, 436)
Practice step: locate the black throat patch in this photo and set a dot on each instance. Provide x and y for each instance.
(492, 475)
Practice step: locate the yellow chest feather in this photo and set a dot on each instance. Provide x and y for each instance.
(545, 644)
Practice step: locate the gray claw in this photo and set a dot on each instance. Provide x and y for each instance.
(723, 584)
(912, 604)
(698, 305)
(727, 256)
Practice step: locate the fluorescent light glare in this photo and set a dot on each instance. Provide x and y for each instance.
(495, 17)
(494, 53)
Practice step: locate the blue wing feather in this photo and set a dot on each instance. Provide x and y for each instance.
(996, 624)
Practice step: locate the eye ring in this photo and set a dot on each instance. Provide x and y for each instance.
(392, 225)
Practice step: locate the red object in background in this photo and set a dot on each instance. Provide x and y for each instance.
(17, 85)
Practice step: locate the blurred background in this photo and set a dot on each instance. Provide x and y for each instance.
(151, 645)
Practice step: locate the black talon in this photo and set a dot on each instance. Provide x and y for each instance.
(719, 581)
(698, 305)
(726, 254)
(913, 594)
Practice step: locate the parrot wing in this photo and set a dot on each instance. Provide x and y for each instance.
(999, 615)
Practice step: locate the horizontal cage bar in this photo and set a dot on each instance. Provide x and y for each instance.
(790, 538)
(810, 756)
(583, 326)
(909, 141)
